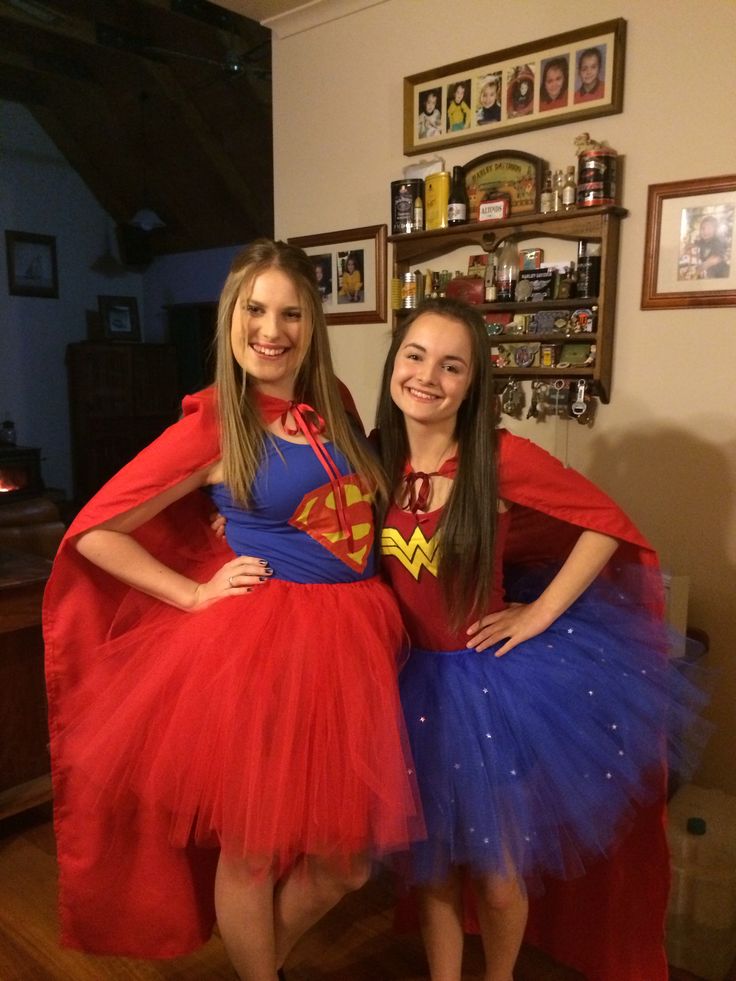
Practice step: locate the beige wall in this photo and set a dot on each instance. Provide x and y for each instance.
(666, 445)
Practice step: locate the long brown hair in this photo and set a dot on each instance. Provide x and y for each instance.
(241, 431)
(468, 524)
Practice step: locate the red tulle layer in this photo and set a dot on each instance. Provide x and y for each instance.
(267, 724)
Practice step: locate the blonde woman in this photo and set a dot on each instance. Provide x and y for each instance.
(225, 722)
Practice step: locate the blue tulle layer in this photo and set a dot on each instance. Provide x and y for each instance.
(533, 762)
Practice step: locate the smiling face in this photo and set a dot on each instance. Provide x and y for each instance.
(431, 103)
(269, 332)
(488, 95)
(459, 93)
(554, 81)
(589, 67)
(432, 370)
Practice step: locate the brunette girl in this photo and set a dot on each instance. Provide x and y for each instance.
(535, 706)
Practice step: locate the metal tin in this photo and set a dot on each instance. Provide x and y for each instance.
(591, 196)
(408, 291)
(597, 177)
(550, 355)
(404, 215)
(470, 289)
(436, 197)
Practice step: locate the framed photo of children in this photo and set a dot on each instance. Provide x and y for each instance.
(558, 79)
(350, 266)
(689, 258)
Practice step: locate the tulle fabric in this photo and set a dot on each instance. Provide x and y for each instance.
(531, 763)
(267, 724)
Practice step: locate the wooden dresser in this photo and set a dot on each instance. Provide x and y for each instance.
(24, 757)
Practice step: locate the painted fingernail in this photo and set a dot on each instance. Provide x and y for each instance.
(262, 578)
(263, 562)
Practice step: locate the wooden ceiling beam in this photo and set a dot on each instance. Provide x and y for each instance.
(196, 160)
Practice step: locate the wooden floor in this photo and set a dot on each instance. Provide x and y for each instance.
(353, 943)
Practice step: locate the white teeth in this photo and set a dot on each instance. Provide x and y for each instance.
(269, 352)
(422, 395)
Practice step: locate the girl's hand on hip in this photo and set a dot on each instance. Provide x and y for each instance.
(517, 623)
(236, 578)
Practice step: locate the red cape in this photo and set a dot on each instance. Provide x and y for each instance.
(609, 924)
(122, 888)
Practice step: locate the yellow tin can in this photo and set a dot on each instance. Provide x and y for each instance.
(436, 196)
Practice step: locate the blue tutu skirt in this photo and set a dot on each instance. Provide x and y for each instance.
(532, 763)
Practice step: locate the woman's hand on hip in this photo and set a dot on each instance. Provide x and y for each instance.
(517, 623)
(235, 578)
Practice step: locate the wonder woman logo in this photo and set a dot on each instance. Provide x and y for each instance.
(414, 555)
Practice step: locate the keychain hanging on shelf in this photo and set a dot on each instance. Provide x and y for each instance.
(555, 398)
(537, 393)
(512, 398)
(582, 404)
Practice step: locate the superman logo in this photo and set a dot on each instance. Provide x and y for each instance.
(415, 554)
(317, 515)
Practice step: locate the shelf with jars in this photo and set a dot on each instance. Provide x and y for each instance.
(536, 336)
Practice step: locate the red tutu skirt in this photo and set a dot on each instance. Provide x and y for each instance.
(267, 724)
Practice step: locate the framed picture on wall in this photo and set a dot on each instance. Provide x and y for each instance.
(350, 266)
(119, 318)
(689, 258)
(32, 269)
(572, 76)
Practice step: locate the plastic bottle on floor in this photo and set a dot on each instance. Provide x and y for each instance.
(701, 919)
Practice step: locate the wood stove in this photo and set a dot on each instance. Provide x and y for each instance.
(20, 473)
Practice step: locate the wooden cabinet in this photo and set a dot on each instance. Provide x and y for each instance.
(597, 225)
(192, 329)
(24, 753)
(121, 397)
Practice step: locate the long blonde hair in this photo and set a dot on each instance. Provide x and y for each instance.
(242, 433)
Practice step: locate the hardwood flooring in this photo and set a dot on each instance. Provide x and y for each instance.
(355, 942)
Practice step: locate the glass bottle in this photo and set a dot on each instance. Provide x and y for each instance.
(569, 189)
(566, 287)
(589, 268)
(545, 199)
(557, 183)
(418, 214)
(490, 289)
(507, 273)
(457, 203)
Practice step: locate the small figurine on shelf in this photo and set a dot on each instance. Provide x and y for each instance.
(584, 143)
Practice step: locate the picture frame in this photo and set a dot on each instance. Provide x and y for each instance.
(547, 82)
(504, 172)
(351, 263)
(689, 256)
(119, 318)
(32, 266)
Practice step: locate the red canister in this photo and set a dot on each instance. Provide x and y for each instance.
(597, 177)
